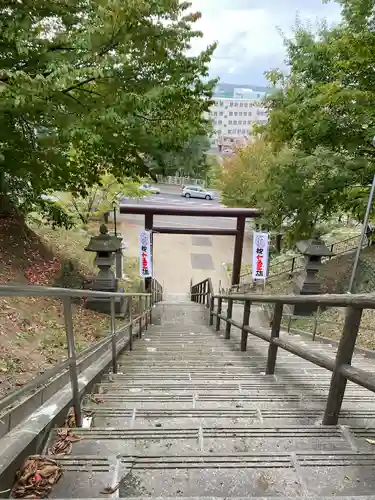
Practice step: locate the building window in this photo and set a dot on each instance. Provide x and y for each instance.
(235, 113)
(236, 104)
(234, 122)
(215, 113)
(240, 113)
(243, 131)
(245, 113)
(229, 131)
(220, 122)
(221, 103)
(249, 122)
(231, 104)
(241, 104)
(221, 113)
(230, 122)
(245, 104)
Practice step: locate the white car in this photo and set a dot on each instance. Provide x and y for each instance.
(151, 189)
(196, 192)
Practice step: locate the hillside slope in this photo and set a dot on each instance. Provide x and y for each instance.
(32, 334)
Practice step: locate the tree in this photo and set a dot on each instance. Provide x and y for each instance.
(303, 190)
(242, 177)
(189, 161)
(93, 87)
(100, 199)
(324, 111)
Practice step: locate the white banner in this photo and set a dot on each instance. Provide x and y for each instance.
(145, 257)
(260, 256)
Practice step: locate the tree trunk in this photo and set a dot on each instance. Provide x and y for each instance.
(279, 238)
(6, 206)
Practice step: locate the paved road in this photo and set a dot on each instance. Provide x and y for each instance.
(179, 258)
(175, 200)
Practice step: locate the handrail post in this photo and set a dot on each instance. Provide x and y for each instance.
(146, 313)
(229, 316)
(150, 311)
(245, 322)
(344, 356)
(208, 295)
(72, 357)
(219, 308)
(212, 306)
(140, 306)
(275, 332)
(316, 322)
(113, 335)
(130, 307)
(293, 264)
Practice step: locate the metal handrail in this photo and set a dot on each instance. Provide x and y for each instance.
(341, 368)
(146, 302)
(293, 259)
(202, 292)
(46, 291)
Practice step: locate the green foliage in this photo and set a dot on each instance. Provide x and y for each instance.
(322, 122)
(242, 177)
(302, 190)
(189, 161)
(94, 87)
(99, 199)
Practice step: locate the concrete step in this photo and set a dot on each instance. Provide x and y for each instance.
(228, 440)
(221, 386)
(362, 497)
(189, 415)
(242, 474)
(156, 376)
(221, 417)
(210, 399)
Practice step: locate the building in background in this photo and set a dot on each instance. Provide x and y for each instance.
(233, 114)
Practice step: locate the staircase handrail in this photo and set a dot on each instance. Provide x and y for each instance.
(296, 266)
(76, 363)
(202, 292)
(340, 367)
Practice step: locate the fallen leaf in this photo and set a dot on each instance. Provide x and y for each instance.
(108, 490)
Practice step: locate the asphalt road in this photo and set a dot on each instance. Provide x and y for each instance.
(173, 200)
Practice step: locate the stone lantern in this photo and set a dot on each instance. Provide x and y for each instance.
(105, 247)
(307, 282)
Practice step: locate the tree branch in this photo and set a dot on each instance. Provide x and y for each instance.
(79, 84)
(151, 119)
(74, 98)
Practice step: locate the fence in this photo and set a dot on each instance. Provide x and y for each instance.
(341, 367)
(290, 265)
(179, 181)
(142, 303)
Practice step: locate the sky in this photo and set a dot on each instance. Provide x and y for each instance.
(247, 32)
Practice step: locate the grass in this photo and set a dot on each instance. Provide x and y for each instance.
(32, 332)
(245, 268)
(331, 323)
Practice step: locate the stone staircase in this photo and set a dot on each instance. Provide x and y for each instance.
(189, 415)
